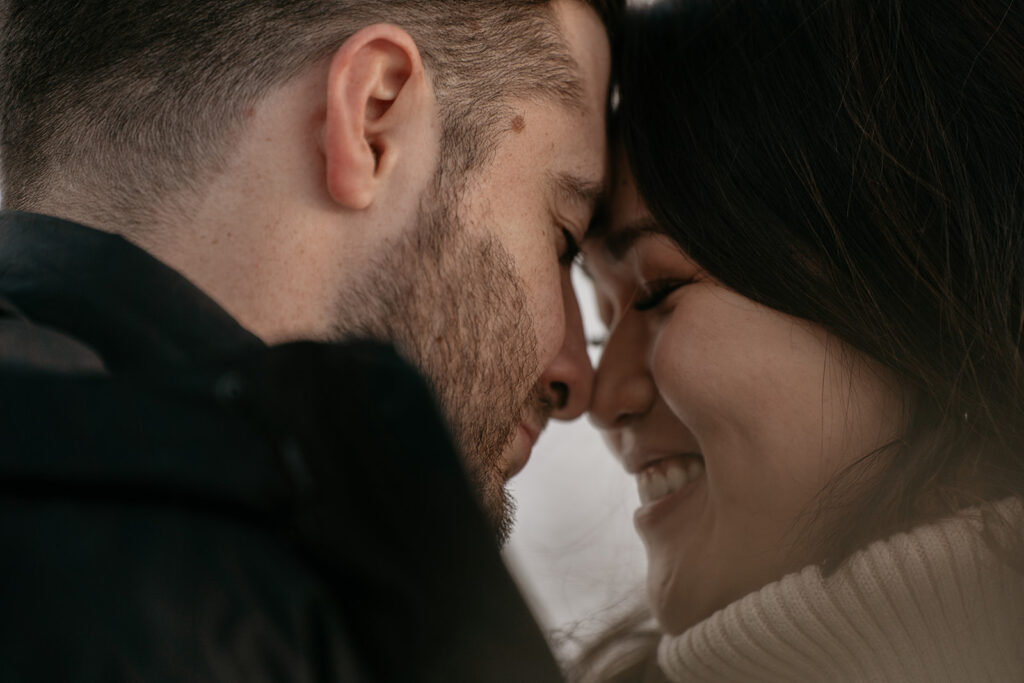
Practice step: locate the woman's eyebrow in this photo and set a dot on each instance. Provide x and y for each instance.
(620, 241)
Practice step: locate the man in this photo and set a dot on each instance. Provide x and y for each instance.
(417, 172)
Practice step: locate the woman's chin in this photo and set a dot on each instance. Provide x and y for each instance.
(675, 601)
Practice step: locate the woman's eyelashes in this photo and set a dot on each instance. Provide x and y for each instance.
(651, 294)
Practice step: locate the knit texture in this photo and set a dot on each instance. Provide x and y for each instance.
(934, 604)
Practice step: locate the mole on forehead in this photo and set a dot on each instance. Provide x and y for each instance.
(518, 123)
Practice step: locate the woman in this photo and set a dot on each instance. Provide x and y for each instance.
(814, 289)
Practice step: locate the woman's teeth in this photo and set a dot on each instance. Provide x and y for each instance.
(664, 477)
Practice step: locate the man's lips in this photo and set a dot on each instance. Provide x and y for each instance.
(522, 445)
(532, 433)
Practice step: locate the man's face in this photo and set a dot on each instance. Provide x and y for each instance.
(478, 293)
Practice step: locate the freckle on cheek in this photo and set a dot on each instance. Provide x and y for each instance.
(519, 124)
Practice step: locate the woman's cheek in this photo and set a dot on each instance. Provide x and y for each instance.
(676, 366)
(702, 364)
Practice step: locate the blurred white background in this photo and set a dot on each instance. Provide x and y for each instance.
(574, 550)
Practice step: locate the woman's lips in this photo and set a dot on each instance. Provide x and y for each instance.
(665, 476)
(665, 481)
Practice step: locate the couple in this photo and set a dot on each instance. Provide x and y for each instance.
(810, 264)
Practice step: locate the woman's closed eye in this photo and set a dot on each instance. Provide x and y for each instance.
(654, 292)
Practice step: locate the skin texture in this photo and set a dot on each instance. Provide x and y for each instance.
(774, 406)
(332, 219)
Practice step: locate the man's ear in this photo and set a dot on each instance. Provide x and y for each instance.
(375, 83)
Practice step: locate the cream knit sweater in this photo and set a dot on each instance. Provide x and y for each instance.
(934, 604)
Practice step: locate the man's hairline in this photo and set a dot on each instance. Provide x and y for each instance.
(572, 100)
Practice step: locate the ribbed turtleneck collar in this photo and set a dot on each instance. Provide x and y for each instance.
(935, 604)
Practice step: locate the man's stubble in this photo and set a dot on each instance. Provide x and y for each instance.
(454, 305)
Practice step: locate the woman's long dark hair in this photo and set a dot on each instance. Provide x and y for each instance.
(858, 164)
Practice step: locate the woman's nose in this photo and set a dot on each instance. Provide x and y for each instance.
(623, 386)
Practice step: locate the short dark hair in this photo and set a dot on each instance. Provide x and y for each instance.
(859, 165)
(142, 97)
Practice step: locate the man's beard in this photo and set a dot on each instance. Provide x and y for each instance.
(454, 306)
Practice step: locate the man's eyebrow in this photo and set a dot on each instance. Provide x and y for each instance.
(619, 242)
(579, 190)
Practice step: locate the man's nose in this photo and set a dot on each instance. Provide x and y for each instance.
(569, 378)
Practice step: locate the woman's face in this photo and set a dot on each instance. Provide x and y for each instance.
(732, 417)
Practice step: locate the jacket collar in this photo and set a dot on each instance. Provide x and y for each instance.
(137, 313)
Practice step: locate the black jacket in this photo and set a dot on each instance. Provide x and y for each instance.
(179, 502)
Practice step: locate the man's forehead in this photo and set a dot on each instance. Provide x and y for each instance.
(589, 48)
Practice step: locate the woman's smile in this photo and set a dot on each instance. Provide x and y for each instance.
(731, 416)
